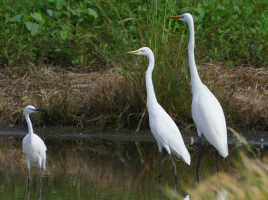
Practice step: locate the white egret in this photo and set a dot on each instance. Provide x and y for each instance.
(162, 126)
(32, 145)
(187, 197)
(207, 112)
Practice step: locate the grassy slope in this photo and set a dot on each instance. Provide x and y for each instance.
(80, 38)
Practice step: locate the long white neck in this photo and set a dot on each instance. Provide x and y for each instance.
(29, 123)
(151, 98)
(195, 79)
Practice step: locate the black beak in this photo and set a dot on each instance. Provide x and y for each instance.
(39, 110)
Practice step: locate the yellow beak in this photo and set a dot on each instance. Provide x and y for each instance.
(134, 52)
(176, 17)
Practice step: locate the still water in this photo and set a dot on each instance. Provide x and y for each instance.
(95, 169)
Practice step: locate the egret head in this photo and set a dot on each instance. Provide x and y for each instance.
(30, 109)
(186, 17)
(142, 51)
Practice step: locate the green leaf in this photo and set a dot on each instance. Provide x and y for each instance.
(63, 35)
(33, 27)
(52, 13)
(185, 9)
(201, 11)
(92, 13)
(60, 3)
(16, 18)
(75, 12)
(38, 17)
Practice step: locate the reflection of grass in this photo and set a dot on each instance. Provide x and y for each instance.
(96, 169)
(77, 170)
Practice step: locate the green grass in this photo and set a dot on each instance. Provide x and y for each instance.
(71, 33)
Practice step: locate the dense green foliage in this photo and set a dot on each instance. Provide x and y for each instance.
(84, 32)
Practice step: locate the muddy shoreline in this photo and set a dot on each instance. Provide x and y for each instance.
(259, 138)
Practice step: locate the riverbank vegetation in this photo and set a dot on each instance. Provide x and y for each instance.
(249, 181)
(69, 58)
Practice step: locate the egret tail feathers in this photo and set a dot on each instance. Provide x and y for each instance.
(223, 150)
(184, 155)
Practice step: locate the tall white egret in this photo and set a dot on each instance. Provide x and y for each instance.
(206, 110)
(32, 145)
(162, 126)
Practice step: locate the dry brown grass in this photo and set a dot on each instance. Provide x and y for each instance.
(243, 93)
(250, 182)
(70, 98)
(105, 99)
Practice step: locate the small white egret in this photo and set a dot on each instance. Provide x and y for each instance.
(162, 126)
(187, 197)
(32, 145)
(207, 112)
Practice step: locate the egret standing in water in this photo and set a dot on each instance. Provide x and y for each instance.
(33, 146)
(206, 110)
(162, 126)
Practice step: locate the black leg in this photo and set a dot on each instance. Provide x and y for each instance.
(160, 166)
(28, 184)
(174, 167)
(40, 178)
(199, 158)
(29, 179)
(217, 160)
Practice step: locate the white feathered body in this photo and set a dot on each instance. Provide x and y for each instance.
(167, 133)
(209, 118)
(35, 150)
(162, 126)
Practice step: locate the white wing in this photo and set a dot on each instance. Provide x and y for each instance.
(167, 134)
(24, 143)
(209, 118)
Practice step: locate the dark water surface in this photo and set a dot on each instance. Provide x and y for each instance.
(97, 169)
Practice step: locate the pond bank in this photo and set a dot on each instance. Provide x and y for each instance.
(106, 99)
(72, 133)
